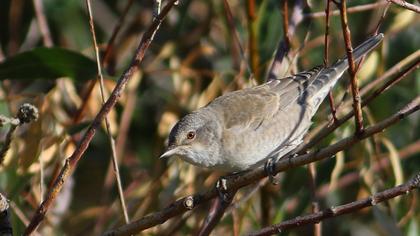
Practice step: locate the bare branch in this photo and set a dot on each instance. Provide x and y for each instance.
(406, 5)
(343, 209)
(352, 69)
(217, 210)
(355, 9)
(326, 47)
(107, 125)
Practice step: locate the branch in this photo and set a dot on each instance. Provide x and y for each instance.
(111, 140)
(343, 209)
(326, 49)
(352, 69)
(71, 162)
(406, 5)
(217, 210)
(355, 9)
(180, 206)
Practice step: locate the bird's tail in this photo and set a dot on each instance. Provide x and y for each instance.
(359, 52)
(328, 77)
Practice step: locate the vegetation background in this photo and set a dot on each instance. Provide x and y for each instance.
(199, 53)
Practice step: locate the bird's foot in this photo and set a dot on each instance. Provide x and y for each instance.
(270, 167)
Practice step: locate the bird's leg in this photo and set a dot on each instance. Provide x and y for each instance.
(270, 167)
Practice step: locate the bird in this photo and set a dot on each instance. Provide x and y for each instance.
(242, 129)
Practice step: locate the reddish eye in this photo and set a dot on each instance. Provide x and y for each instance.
(191, 135)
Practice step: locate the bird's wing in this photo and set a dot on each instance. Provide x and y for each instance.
(296, 88)
(247, 108)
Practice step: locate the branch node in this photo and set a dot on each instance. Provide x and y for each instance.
(189, 202)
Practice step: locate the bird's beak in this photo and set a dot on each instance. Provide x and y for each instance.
(169, 152)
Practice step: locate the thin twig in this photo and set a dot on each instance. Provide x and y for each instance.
(106, 57)
(117, 28)
(178, 207)
(401, 66)
(406, 5)
(42, 23)
(355, 9)
(352, 69)
(314, 197)
(326, 49)
(342, 209)
(71, 162)
(354, 176)
(108, 129)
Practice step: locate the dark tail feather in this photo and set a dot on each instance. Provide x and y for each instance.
(360, 51)
(328, 77)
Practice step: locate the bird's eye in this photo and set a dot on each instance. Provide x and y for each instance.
(191, 135)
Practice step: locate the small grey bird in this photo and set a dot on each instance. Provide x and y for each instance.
(242, 129)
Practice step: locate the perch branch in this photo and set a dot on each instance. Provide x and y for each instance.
(341, 210)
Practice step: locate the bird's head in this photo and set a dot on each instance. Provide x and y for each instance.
(195, 139)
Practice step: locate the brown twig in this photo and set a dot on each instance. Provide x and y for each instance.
(326, 49)
(354, 176)
(217, 210)
(72, 161)
(342, 209)
(352, 69)
(285, 163)
(355, 9)
(110, 46)
(412, 59)
(107, 125)
(42, 23)
(314, 197)
(406, 5)
(106, 57)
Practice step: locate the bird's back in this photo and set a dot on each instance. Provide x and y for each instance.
(272, 118)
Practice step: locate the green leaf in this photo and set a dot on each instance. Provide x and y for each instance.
(48, 63)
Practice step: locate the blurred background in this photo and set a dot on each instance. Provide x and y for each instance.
(202, 50)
